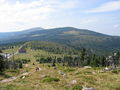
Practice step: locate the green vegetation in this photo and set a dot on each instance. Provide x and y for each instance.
(51, 47)
(9, 87)
(77, 87)
(116, 71)
(69, 70)
(71, 37)
(23, 61)
(1, 63)
(50, 68)
(50, 79)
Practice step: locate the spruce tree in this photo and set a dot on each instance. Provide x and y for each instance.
(1, 63)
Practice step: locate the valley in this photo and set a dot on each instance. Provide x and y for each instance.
(46, 69)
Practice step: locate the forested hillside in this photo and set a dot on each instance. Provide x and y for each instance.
(69, 36)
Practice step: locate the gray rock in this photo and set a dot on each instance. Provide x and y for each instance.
(44, 76)
(87, 67)
(61, 73)
(73, 82)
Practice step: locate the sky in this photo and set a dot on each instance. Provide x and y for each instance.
(97, 15)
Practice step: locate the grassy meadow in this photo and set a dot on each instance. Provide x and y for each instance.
(49, 78)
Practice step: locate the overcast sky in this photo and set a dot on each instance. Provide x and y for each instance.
(96, 15)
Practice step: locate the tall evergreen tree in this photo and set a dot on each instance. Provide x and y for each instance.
(1, 63)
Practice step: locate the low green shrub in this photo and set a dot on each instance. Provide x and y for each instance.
(117, 88)
(50, 79)
(13, 70)
(8, 87)
(23, 61)
(115, 71)
(69, 70)
(77, 87)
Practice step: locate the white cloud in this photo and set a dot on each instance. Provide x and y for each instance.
(106, 7)
(70, 4)
(23, 15)
(2, 1)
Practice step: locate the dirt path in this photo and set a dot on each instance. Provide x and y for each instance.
(19, 76)
(14, 78)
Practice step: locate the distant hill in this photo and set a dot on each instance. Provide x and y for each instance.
(72, 37)
(9, 35)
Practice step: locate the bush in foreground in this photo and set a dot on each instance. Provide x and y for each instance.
(115, 71)
(50, 79)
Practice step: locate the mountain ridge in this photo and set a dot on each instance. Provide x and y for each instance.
(12, 34)
(73, 37)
